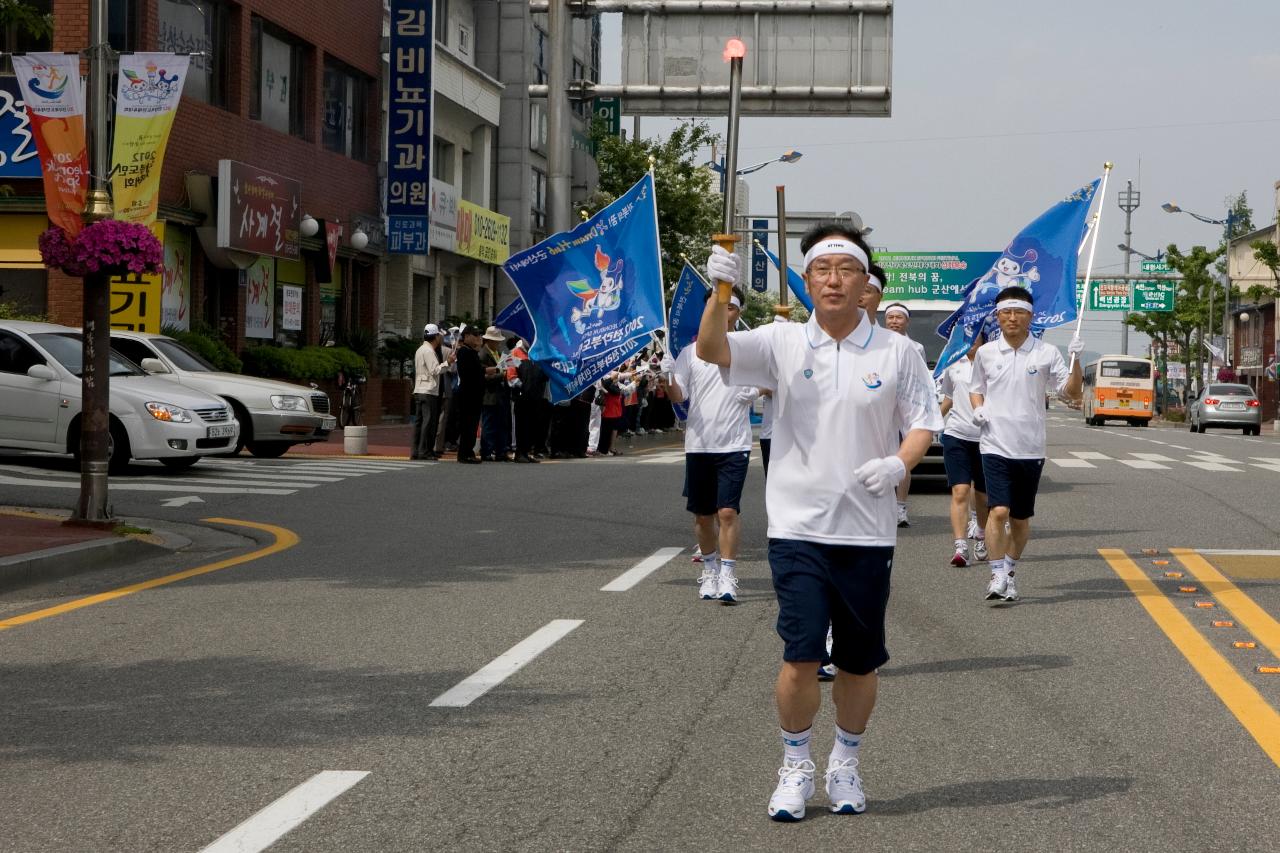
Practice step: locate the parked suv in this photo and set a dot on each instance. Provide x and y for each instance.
(273, 415)
(1226, 405)
(40, 402)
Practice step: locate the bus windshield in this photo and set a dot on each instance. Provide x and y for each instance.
(1124, 369)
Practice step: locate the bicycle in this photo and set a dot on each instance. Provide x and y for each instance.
(352, 399)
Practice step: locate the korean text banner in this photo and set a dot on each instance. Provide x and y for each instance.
(932, 275)
(50, 84)
(1041, 258)
(147, 96)
(409, 124)
(18, 155)
(595, 293)
(516, 320)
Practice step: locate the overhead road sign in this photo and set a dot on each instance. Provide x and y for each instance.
(1155, 266)
(1153, 296)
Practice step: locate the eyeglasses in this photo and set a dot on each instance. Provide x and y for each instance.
(846, 274)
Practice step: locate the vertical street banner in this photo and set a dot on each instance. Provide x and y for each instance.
(759, 263)
(147, 96)
(409, 123)
(175, 294)
(50, 84)
(594, 293)
(1040, 258)
(259, 298)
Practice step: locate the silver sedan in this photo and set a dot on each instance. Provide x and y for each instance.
(1226, 405)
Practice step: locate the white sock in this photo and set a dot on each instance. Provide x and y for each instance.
(795, 745)
(711, 562)
(998, 569)
(1010, 564)
(962, 544)
(846, 746)
(902, 504)
(727, 566)
(973, 516)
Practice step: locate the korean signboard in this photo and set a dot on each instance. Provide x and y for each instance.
(259, 298)
(175, 300)
(444, 216)
(1153, 296)
(291, 309)
(18, 155)
(1106, 294)
(258, 211)
(759, 261)
(483, 234)
(932, 275)
(409, 127)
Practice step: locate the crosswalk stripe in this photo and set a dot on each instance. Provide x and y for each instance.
(1154, 457)
(1211, 466)
(127, 486)
(1089, 454)
(1073, 463)
(1145, 464)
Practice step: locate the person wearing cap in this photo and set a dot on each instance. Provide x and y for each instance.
(717, 451)
(447, 434)
(897, 318)
(469, 398)
(842, 388)
(495, 414)
(1011, 376)
(427, 369)
(962, 458)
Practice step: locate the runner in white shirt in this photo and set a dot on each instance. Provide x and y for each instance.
(717, 449)
(1011, 376)
(897, 318)
(962, 457)
(843, 386)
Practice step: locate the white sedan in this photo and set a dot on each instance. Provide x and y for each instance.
(40, 401)
(273, 415)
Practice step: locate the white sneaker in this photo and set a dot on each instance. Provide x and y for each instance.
(795, 786)
(727, 591)
(971, 532)
(708, 585)
(844, 787)
(980, 550)
(997, 587)
(960, 559)
(902, 517)
(827, 672)
(1010, 591)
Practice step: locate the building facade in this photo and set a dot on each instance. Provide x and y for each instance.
(1254, 339)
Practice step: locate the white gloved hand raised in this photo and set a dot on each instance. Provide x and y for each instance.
(980, 416)
(880, 476)
(1076, 346)
(723, 266)
(668, 364)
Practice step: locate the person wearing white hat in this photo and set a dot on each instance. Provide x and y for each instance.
(427, 369)
(843, 388)
(495, 414)
(1011, 376)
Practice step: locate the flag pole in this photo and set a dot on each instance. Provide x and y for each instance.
(734, 51)
(782, 309)
(1093, 248)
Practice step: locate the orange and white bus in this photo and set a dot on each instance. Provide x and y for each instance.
(1119, 387)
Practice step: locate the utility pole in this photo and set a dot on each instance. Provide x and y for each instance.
(95, 417)
(1129, 201)
(559, 117)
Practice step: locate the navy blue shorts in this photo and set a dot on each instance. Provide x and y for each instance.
(963, 462)
(714, 481)
(1012, 483)
(844, 586)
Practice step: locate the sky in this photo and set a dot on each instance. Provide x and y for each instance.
(1001, 107)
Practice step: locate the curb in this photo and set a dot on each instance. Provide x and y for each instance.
(66, 560)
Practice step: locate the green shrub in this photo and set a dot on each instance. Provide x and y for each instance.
(1175, 416)
(14, 311)
(205, 342)
(302, 365)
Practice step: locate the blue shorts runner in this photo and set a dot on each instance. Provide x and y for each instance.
(846, 586)
(713, 481)
(1012, 483)
(963, 462)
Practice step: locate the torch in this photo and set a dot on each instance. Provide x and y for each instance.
(734, 51)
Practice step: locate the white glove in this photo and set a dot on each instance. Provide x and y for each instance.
(980, 416)
(723, 266)
(1076, 346)
(668, 365)
(881, 475)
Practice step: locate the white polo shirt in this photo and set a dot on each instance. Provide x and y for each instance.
(837, 405)
(955, 383)
(1013, 384)
(719, 414)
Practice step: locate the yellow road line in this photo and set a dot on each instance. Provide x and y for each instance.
(1241, 698)
(1253, 618)
(285, 539)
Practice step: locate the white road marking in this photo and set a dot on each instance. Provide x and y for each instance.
(662, 460)
(189, 499)
(641, 570)
(1180, 447)
(1089, 454)
(1154, 457)
(1073, 463)
(1211, 466)
(1145, 464)
(260, 474)
(287, 813)
(1266, 460)
(127, 486)
(505, 665)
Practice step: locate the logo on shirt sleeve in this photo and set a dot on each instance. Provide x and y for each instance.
(1032, 371)
(872, 381)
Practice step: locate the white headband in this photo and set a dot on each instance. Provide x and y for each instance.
(875, 282)
(1015, 303)
(897, 309)
(735, 302)
(836, 246)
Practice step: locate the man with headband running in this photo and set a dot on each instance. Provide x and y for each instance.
(717, 448)
(842, 388)
(1011, 376)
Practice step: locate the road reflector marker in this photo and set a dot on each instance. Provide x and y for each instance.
(505, 665)
(1205, 604)
(1159, 562)
(1188, 589)
(1244, 644)
(1269, 670)
(1224, 623)
(1174, 575)
(1150, 552)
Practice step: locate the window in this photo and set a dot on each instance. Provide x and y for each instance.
(464, 40)
(595, 49)
(122, 24)
(442, 21)
(276, 96)
(1126, 369)
(537, 127)
(198, 26)
(540, 57)
(345, 102)
(468, 175)
(581, 106)
(16, 355)
(14, 39)
(538, 200)
(441, 160)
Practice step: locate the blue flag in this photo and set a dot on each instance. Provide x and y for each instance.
(686, 310)
(516, 320)
(594, 293)
(1041, 258)
(794, 280)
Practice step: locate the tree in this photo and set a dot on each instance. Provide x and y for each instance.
(689, 208)
(1191, 311)
(20, 17)
(1266, 253)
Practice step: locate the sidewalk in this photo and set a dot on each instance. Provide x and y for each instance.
(35, 546)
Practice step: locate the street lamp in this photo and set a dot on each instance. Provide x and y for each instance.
(1227, 225)
(786, 157)
(1124, 247)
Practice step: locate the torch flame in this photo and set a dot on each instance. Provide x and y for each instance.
(602, 260)
(734, 49)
